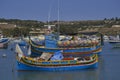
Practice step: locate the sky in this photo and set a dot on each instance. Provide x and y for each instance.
(69, 10)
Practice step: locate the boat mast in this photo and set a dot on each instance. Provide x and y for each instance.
(58, 23)
(58, 17)
(48, 22)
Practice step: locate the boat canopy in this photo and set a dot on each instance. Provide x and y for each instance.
(57, 55)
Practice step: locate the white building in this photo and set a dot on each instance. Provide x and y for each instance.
(116, 26)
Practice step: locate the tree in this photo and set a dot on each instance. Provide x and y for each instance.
(16, 32)
(7, 32)
(24, 31)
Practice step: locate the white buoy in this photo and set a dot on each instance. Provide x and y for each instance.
(24, 47)
(4, 55)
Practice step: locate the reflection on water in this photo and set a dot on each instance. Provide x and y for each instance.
(91, 74)
(108, 68)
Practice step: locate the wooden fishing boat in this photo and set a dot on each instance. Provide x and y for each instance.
(52, 44)
(54, 62)
(37, 52)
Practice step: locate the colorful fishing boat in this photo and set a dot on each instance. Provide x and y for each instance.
(55, 62)
(53, 44)
(4, 42)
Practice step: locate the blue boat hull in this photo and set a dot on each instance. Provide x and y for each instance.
(38, 51)
(35, 54)
(4, 40)
(84, 49)
(22, 66)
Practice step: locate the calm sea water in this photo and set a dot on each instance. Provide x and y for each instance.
(108, 68)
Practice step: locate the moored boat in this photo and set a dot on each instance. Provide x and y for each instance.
(53, 44)
(4, 42)
(55, 62)
(115, 42)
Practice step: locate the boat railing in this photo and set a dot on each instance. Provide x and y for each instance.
(56, 62)
(78, 43)
(62, 45)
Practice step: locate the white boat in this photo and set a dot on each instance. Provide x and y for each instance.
(115, 42)
(4, 42)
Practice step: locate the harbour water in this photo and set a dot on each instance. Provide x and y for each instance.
(108, 68)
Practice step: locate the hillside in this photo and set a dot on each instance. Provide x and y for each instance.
(103, 26)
